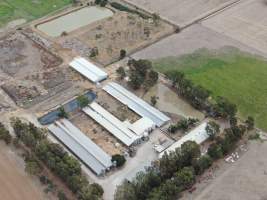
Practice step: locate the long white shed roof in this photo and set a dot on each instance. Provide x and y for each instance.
(111, 123)
(88, 69)
(84, 148)
(135, 103)
(198, 135)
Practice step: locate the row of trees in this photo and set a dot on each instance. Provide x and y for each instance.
(56, 159)
(4, 134)
(198, 96)
(167, 177)
(102, 3)
(183, 125)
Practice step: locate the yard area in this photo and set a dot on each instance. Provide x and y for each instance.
(238, 76)
(28, 9)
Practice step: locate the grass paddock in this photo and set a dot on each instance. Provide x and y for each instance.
(28, 9)
(240, 77)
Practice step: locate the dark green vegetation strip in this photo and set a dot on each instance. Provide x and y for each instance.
(28, 9)
(240, 77)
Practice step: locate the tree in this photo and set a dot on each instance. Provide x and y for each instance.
(32, 166)
(83, 101)
(62, 113)
(144, 182)
(103, 3)
(190, 150)
(61, 195)
(156, 18)
(122, 53)
(250, 123)
(233, 121)
(125, 191)
(4, 134)
(153, 100)
(204, 162)
(118, 159)
(215, 151)
(225, 108)
(212, 129)
(185, 178)
(121, 72)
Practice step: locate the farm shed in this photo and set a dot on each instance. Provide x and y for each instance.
(136, 104)
(88, 70)
(197, 135)
(111, 123)
(142, 126)
(80, 145)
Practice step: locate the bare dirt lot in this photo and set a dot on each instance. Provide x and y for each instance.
(189, 40)
(245, 22)
(28, 72)
(98, 134)
(108, 36)
(179, 11)
(245, 179)
(116, 108)
(15, 183)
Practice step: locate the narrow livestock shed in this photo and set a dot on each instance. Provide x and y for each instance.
(88, 70)
(111, 123)
(136, 104)
(81, 146)
(198, 135)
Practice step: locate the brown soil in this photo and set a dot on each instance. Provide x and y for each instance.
(121, 31)
(28, 71)
(15, 183)
(98, 134)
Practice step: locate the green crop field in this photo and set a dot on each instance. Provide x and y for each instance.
(28, 9)
(238, 76)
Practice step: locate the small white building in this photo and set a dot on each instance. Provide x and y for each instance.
(142, 127)
(88, 69)
(198, 135)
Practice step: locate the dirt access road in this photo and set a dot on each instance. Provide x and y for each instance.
(15, 183)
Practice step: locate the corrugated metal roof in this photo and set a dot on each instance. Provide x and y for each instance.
(198, 135)
(135, 103)
(84, 148)
(142, 125)
(89, 70)
(111, 123)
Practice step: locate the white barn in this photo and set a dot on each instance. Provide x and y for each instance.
(88, 70)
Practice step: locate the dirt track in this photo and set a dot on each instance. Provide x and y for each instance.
(15, 183)
(179, 11)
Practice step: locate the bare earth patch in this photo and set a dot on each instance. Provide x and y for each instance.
(15, 183)
(245, 22)
(189, 40)
(29, 73)
(179, 11)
